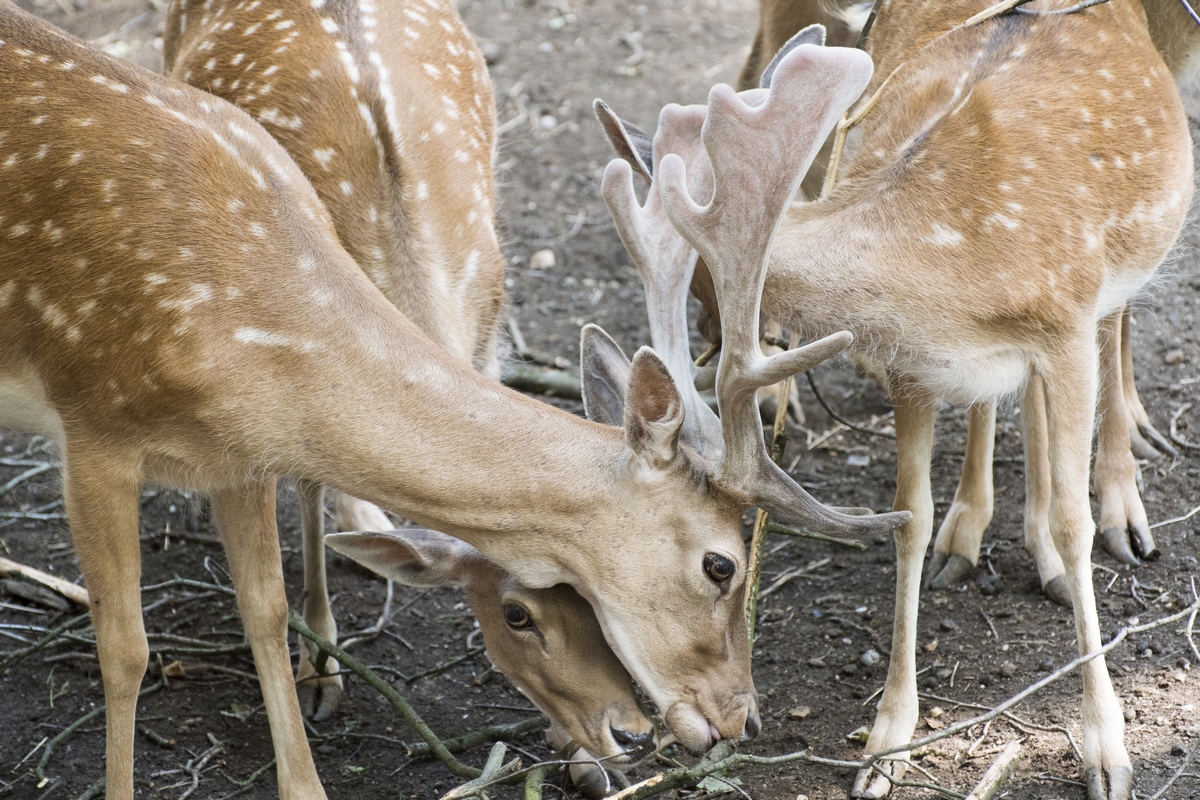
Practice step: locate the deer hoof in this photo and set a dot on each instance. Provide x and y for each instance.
(1116, 542)
(1056, 589)
(954, 571)
(1119, 783)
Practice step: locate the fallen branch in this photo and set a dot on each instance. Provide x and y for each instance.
(1183, 518)
(998, 773)
(1174, 433)
(67, 589)
(545, 382)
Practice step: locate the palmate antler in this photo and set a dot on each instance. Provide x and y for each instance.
(750, 156)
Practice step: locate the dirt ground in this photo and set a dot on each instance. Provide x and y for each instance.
(981, 642)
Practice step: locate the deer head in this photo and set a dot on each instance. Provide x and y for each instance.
(546, 641)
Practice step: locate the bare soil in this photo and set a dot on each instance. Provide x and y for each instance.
(981, 642)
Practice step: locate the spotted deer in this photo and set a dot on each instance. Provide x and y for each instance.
(1074, 119)
(1124, 426)
(388, 110)
(177, 309)
(546, 641)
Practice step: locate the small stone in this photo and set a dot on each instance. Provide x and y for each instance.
(1179, 676)
(936, 712)
(799, 712)
(492, 51)
(545, 47)
(850, 669)
(1183, 663)
(1047, 665)
(1008, 669)
(548, 122)
(1178, 750)
(542, 259)
(858, 460)
(871, 658)
(816, 663)
(1174, 357)
(949, 625)
(1130, 715)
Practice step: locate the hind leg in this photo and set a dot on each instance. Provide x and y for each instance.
(956, 549)
(1124, 529)
(319, 697)
(1146, 441)
(1037, 494)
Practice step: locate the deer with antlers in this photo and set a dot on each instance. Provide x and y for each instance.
(1022, 279)
(177, 309)
(1125, 429)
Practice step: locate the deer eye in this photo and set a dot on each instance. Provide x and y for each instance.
(718, 568)
(516, 616)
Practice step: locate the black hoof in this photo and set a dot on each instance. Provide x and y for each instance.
(1116, 542)
(1143, 544)
(1120, 784)
(1056, 589)
(936, 562)
(957, 570)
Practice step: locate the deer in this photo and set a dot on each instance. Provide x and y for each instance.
(413, 207)
(404, 229)
(546, 641)
(228, 338)
(1124, 527)
(906, 230)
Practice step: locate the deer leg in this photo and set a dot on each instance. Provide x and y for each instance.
(246, 519)
(1070, 405)
(956, 549)
(1124, 529)
(102, 502)
(319, 697)
(898, 707)
(1146, 441)
(1037, 494)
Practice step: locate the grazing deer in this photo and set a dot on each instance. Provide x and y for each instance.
(547, 642)
(1124, 425)
(388, 110)
(176, 308)
(1074, 120)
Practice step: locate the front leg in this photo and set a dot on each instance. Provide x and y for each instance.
(898, 707)
(319, 697)
(956, 549)
(1124, 529)
(246, 519)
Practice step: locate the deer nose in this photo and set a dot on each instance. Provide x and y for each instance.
(753, 725)
(643, 742)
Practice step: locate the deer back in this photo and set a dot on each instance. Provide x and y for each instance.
(388, 109)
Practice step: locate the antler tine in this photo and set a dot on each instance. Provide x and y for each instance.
(758, 157)
(665, 262)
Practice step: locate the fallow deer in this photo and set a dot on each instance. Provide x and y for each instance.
(546, 641)
(177, 308)
(1124, 528)
(388, 110)
(1075, 121)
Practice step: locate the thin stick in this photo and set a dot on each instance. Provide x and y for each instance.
(1174, 433)
(844, 126)
(1184, 518)
(790, 575)
(812, 383)
(989, 13)
(708, 354)
(328, 650)
(50, 636)
(758, 537)
(1182, 767)
(491, 733)
(1191, 11)
(548, 383)
(67, 589)
(1082, 6)
(784, 530)
(371, 633)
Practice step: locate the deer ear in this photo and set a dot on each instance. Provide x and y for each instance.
(628, 140)
(604, 370)
(813, 34)
(653, 410)
(412, 556)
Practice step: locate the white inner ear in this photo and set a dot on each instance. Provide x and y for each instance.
(660, 437)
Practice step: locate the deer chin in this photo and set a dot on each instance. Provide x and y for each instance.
(692, 729)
